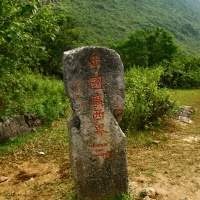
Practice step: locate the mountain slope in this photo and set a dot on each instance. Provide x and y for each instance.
(109, 21)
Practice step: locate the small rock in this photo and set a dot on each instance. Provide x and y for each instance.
(3, 178)
(41, 153)
(34, 129)
(156, 141)
(31, 179)
(185, 198)
(148, 192)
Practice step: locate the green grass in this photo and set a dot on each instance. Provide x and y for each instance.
(27, 92)
(43, 136)
(186, 97)
(11, 146)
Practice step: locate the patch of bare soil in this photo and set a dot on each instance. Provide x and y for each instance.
(20, 179)
(172, 168)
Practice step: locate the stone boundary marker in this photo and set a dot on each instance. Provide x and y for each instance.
(94, 82)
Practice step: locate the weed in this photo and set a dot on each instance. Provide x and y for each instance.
(32, 93)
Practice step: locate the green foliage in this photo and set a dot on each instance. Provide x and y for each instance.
(105, 22)
(64, 40)
(32, 93)
(189, 80)
(134, 51)
(183, 73)
(32, 34)
(119, 197)
(147, 105)
(181, 79)
(148, 48)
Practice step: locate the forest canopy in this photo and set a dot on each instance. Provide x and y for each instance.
(34, 35)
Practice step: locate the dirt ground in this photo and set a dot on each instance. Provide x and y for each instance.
(171, 167)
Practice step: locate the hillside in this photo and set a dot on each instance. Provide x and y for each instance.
(108, 21)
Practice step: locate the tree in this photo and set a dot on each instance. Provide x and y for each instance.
(148, 47)
(134, 50)
(64, 40)
(161, 46)
(32, 34)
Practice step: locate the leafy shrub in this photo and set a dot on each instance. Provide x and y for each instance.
(183, 73)
(189, 80)
(32, 93)
(147, 105)
(148, 48)
(35, 34)
(179, 79)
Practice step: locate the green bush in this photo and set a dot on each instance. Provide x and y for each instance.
(25, 93)
(34, 34)
(183, 73)
(180, 79)
(147, 105)
(189, 80)
(148, 48)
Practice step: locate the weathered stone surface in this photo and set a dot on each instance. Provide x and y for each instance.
(148, 192)
(184, 115)
(94, 81)
(18, 125)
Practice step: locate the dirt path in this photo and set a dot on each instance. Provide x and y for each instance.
(172, 169)
(40, 170)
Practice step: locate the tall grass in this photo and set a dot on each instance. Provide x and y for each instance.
(23, 93)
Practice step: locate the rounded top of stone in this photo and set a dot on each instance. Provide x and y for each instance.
(79, 49)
